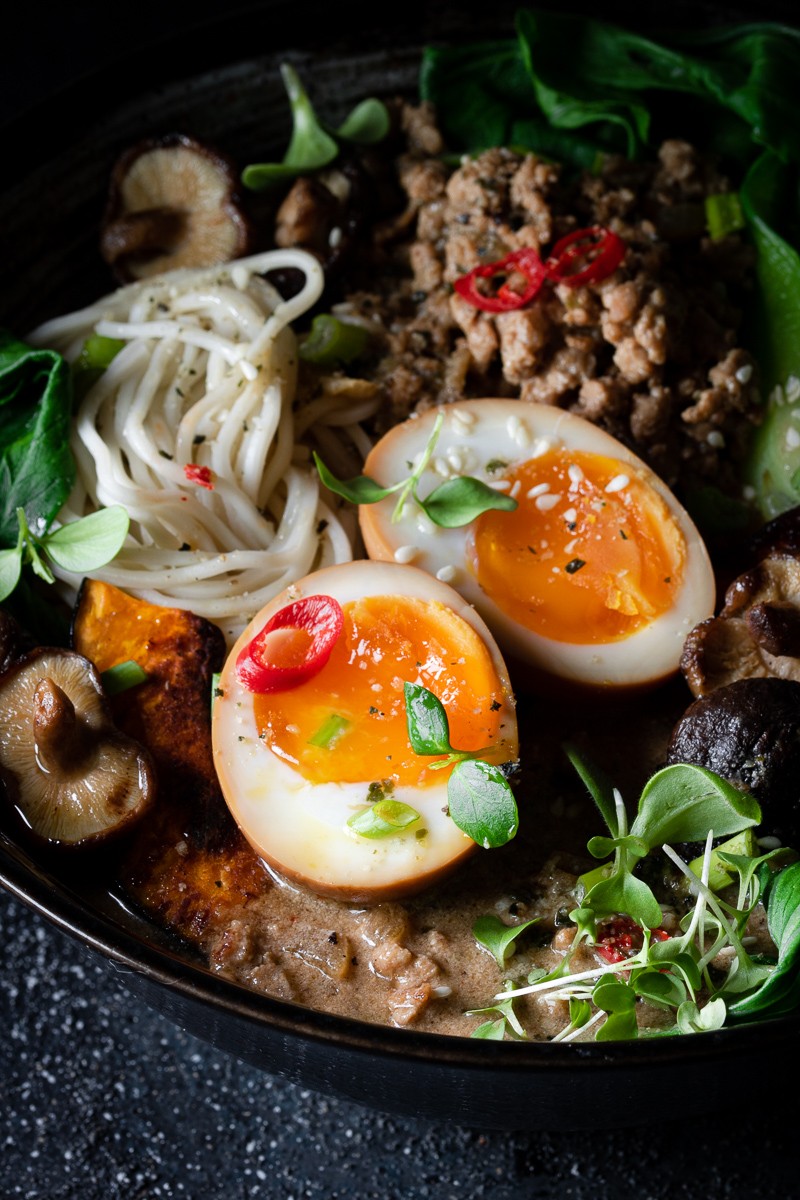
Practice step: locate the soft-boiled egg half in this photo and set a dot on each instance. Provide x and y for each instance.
(298, 763)
(599, 573)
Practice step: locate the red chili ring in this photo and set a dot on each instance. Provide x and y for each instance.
(605, 252)
(525, 262)
(320, 617)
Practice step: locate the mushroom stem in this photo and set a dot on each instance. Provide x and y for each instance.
(58, 734)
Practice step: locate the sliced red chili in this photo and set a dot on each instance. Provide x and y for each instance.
(525, 263)
(600, 250)
(292, 647)
(199, 475)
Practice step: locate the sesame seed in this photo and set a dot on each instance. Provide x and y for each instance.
(769, 842)
(575, 473)
(447, 574)
(547, 501)
(456, 460)
(406, 554)
(792, 388)
(745, 373)
(538, 490)
(441, 991)
(570, 515)
(618, 483)
(335, 237)
(500, 485)
(441, 467)
(516, 489)
(792, 438)
(464, 417)
(716, 439)
(541, 446)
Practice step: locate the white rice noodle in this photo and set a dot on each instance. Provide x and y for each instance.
(207, 378)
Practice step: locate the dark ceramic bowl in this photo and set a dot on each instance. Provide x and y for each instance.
(57, 158)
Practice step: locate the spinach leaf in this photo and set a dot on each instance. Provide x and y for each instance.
(780, 992)
(37, 469)
(773, 466)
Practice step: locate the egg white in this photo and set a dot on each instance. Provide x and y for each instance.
(473, 434)
(300, 828)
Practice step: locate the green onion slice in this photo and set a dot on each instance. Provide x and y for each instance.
(329, 732)
(383, 819)
(123, 676)
(332, 341)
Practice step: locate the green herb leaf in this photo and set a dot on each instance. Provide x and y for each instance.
(90, 542)
(310, 147)
(359, 490)
(599, 785)
(10, 571)
(692, 1019)
(493, 1031)
(622, 892)
(367, 124)
(682, 802)
(37, 469)
(383, 819)
(780, 991)
(459, 501)
(482, 803)
(723, 214)
(659, 988)
(428, 727)
(498, 938)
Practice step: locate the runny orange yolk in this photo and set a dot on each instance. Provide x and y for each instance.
(357, 704)
(591, 554)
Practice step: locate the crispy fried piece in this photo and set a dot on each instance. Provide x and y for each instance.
(187, 866)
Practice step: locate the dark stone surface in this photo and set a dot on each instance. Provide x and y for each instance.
(101, 1098)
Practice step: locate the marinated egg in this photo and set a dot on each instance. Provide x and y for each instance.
(598, 574)
(298, 763)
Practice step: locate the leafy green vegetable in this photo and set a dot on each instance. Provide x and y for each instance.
(479, 796)
(682, 802)
(498, 938)
(311, 146)
(78, 546)
(454, 503)
(780, 992)
(37, 469)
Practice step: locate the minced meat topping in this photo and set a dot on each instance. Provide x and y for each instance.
(651, 353)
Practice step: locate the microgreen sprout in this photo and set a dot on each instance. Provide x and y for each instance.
(312, 145)
(77, 547)
(702, 976)
(454, 503)
(479, 796)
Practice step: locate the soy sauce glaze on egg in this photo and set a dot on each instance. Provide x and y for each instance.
(595, 578)
(297, 763)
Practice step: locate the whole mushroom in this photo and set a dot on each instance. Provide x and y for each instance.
(74, 778)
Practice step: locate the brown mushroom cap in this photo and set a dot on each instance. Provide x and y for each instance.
(755, 636)
(172, 202)
(73, 777)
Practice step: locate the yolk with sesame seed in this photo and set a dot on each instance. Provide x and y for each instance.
(590, 555)
(348, 723)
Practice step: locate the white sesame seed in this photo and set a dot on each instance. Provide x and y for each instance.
(776, 396)
(618, 483)
(792, 388)
(716, 439)
(500, 485)
(570, 515)
(240, 277)
(441, 991)
(335, 237)
(515, 490)
(442, 467)
(745, 373)
(575, 473)
(769, 843)
(406, 554)
(456, 460)
(538, 490)
(540, 447)
(748, 492)
(570, 546)
(464, 417)
(547, 501)
(792, 438)
(447, 574)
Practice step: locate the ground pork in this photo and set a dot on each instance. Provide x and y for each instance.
(653, 353)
